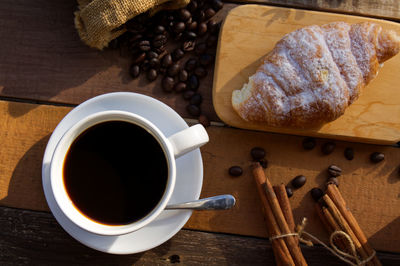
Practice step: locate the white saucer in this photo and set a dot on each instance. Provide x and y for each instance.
(189, 177)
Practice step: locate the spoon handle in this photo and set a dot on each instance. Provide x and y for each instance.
(222, 202)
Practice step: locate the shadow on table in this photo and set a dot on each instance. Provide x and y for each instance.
(390, 233)
(25, 186)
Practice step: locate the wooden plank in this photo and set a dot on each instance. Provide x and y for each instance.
(43, 58)
(389, 9)
(251, 31)
(22, 243)
(367, 188)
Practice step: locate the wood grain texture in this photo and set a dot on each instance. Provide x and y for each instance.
(42, 58)
(366, 187)
(251, 31)
(35, 238)
(389, 9)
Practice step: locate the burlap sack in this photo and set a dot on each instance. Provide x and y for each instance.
(99, 21)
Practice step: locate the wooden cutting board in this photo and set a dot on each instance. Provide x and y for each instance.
(249, 32)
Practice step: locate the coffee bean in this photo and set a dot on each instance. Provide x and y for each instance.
(202, 29)
(328, 148)
(349, 154)
(177, 54)
(209, 13)
(162, 70)
(309, 143)
(183, 75)
(187, 95)
(196, 99)
(257, 153)
(145, 66)
(333, 180)
(144, 46)
(204, 120)
(167, 84)
(298, 181)
(159, 29)
(139, 57)
(193, 83)
(188, 23)
(264, 163)
(191, 64)
(180, 87)
(184, 14)
(173, 70)
(213, 26)
(206, 59)
(134, 70)
(192, 26)
(192, 6)
(334, 170)
(152, 74)
(201, 72)
(166, 60)
(151, 54)
(159, 40)
(188, 46)
(160, 49)
(178, 36)
(235, 171)
(289, 192)
(217, 4)
(190, 35)
(154, 63)
(179, 27)
(211, 41)
(201, 48)
(200, 15)
(377, 157)
(193, 110)
(316, 193)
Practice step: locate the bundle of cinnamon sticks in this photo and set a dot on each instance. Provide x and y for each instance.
(335, 216)
(279, 218)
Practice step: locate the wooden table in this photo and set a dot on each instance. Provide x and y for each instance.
(45, 71)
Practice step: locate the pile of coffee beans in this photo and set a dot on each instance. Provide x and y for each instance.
(177, 46)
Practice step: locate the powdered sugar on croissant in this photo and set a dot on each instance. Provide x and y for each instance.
(313, 74)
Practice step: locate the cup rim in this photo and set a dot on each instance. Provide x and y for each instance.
(57, 181)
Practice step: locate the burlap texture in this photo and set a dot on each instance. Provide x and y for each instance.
(99, 21)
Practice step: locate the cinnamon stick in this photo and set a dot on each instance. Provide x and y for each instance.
(281, 251)
(292, 244)
(340, 203)
(344, 225)
(340, 242)
(284, 202)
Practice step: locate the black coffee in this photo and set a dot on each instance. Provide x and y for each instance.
(115, 173)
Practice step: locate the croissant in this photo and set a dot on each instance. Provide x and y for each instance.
(314, 73)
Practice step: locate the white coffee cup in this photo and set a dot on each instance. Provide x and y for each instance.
(173, 147)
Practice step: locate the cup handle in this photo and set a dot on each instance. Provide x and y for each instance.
(188, 139)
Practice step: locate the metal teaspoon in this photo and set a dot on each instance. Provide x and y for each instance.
(222, 202)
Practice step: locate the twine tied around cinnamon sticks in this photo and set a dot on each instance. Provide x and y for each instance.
(341, 225)
(342, 255)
